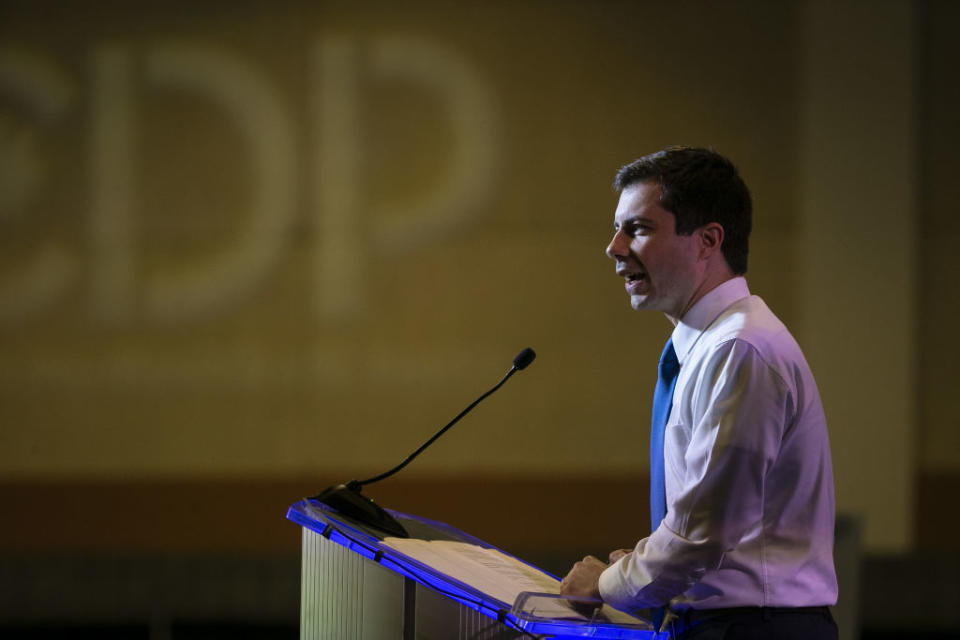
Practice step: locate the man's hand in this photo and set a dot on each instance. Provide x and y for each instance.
(583, 579)
(619, 553)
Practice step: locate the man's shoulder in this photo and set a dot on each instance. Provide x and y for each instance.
(749, 320)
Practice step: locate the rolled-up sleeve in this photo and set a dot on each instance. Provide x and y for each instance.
(725, 429)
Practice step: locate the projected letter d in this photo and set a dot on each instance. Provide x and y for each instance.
(207, 283)
(446, 206)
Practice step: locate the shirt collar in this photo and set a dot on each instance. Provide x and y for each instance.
(702, 314)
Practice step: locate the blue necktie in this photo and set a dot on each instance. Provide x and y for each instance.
(662, 400)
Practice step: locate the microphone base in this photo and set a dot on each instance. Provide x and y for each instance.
(347, 500)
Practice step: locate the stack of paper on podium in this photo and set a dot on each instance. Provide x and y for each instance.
(438, 583)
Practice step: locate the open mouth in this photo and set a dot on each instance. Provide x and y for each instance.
(632, 275)
(636, 281)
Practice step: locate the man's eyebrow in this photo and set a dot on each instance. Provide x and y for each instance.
(633, 220)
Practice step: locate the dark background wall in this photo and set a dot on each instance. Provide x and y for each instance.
(251, 251)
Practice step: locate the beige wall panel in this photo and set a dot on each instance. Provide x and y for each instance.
(858, 252)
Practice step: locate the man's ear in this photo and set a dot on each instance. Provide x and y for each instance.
(711, 239)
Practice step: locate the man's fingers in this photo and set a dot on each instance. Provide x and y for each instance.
(619, 553)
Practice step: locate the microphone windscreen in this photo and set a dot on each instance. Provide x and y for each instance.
(524, 358)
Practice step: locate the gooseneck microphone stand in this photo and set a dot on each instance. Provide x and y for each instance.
(347, 498)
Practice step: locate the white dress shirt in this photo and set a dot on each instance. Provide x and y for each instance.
(749, 485)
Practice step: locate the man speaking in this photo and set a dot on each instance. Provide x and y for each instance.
(741, 487)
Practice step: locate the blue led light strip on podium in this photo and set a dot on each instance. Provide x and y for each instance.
(367, 543)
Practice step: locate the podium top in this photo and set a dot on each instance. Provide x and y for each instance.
(472, 572)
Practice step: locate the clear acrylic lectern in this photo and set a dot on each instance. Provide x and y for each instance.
(438, 583)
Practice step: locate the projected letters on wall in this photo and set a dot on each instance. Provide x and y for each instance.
(303, 170)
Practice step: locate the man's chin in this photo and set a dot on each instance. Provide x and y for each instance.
(647, 303)
(640, 302)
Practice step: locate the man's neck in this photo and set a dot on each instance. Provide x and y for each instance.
(709, 284)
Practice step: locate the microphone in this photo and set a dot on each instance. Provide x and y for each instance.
(524, 358)
(347, 497)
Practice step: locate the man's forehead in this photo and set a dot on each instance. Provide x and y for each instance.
(639, 201)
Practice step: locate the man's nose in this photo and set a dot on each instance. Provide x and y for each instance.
(617, 247)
